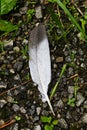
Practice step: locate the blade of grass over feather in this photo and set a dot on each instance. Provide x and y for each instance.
(57, 83)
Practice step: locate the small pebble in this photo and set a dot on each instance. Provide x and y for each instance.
(18, 66)
(2, 122)
(59, 104)
(68, 115)
(54, 66)
(3, 85)
(16, 49)
(15, 127)
(52, 57)
(38, 110)
(82, 65)
(59, 59)
(10, 99)
(71, 89)
(41, 1)
(63, 123)
(38, 12)
(2, 103)
(80, 52)
(8, 43)
(38, 127)
(85, 104)
(84, 119)
(15, 107)
(12, 71)
(23, 10)
(35, 119)
(25, 42)
(66, 53)
(70, 71)
(17, 77)
(22, 110)
(68, 59)
(80, 99)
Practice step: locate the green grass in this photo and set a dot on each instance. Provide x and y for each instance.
(80, 28)
(6, 26)
(30, 14)
(57, 83)
(49, 123)
(24, 51)
(7, 6)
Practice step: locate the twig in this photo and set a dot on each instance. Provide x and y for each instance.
(14, 88)
(79, 10)
(7, 123)
(73, 76)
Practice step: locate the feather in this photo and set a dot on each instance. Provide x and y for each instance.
(39, 62)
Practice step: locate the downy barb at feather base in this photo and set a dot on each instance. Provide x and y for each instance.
(39, 61)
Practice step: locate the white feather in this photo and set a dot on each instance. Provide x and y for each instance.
(40, 63)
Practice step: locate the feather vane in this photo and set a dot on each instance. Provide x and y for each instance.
(40, 63)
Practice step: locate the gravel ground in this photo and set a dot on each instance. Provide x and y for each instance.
(24, 100)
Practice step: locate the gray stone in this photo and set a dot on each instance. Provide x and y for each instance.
(23, 10)
(22, 110)
(84, 118)
(15, 107)
(35, 119)
(68, 59)
(80, 99)
(16, 92)
(3, 85)
(38, 13)
(66, 53)
(38, 110)
(68, 115)
(85, 104)
(71, 89)
(41, 1)
(38, 127)
(70, 71)
(17, 77)
(15, 127)
(18, 66)
(59, 104)
(63, 123)
(2, 103)
(80, 51)
(25, 42)
(32, 111)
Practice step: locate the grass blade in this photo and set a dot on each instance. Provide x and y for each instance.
(57, 83)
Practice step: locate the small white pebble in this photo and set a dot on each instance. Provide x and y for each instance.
(12, 71)
(16, 49)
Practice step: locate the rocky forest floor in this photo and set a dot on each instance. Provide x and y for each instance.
(21, 107)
